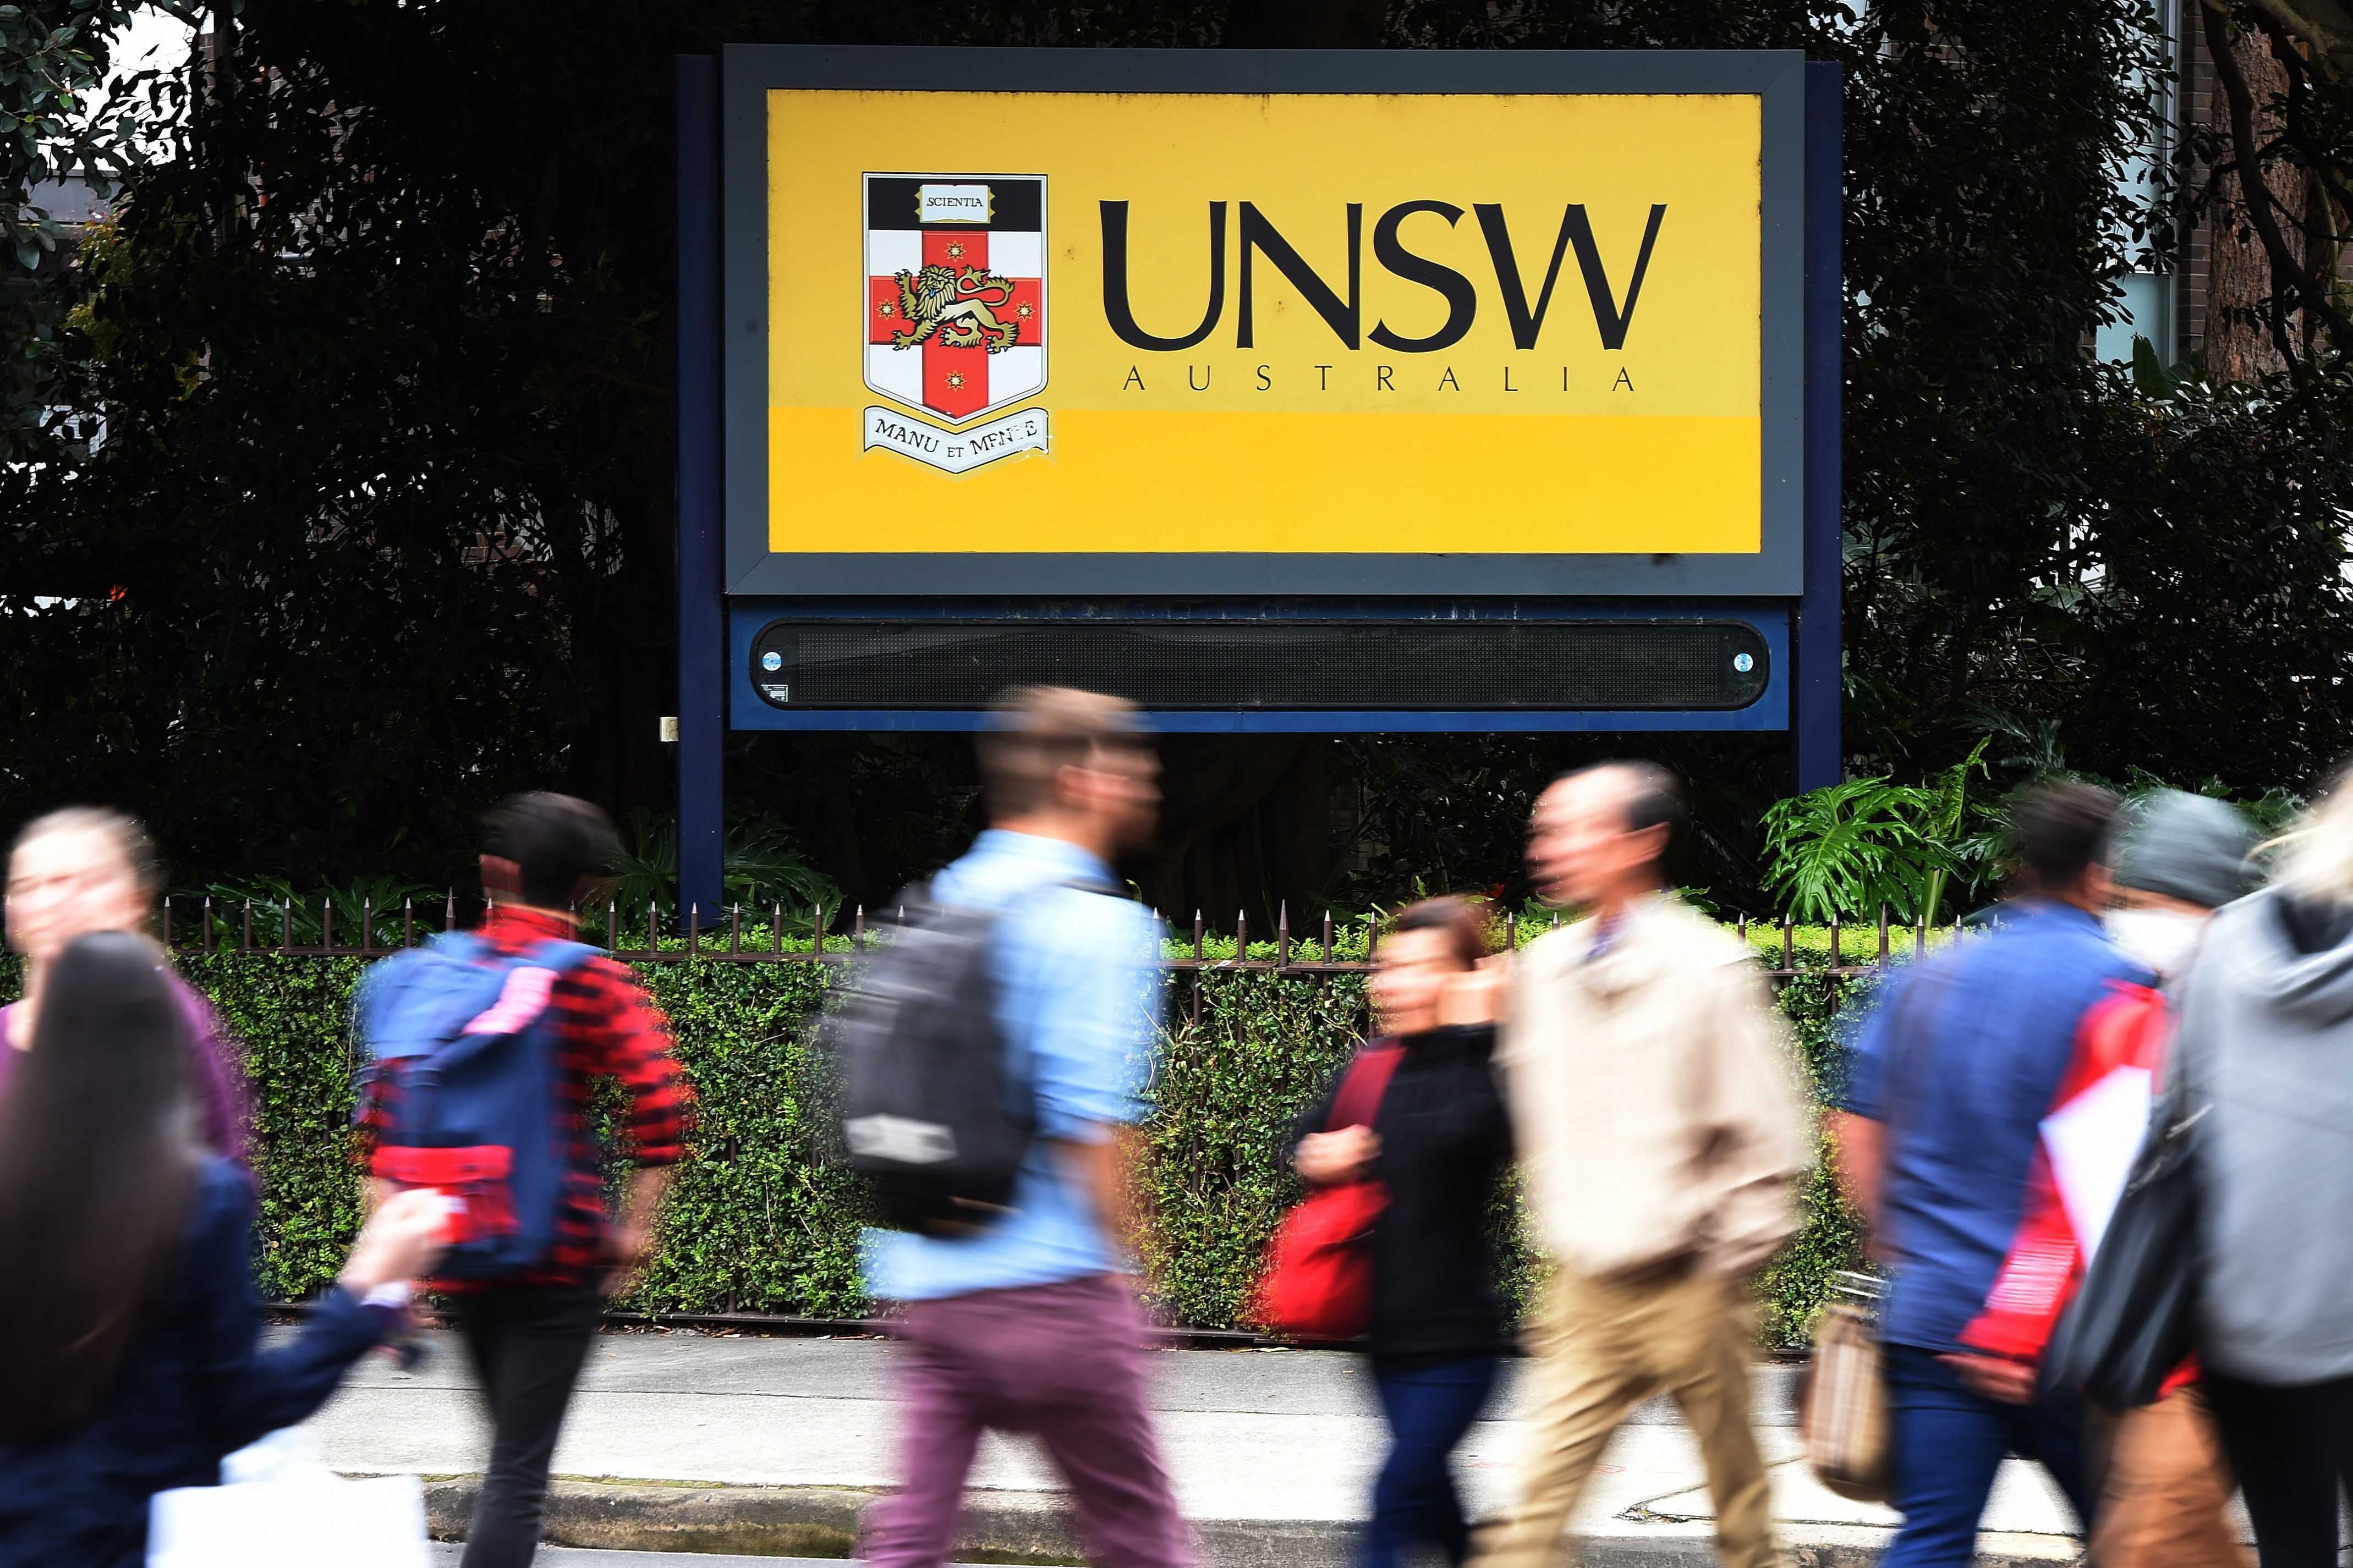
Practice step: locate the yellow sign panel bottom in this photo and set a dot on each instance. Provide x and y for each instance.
(1114, 482)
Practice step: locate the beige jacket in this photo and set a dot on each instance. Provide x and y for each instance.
(1653, 1096)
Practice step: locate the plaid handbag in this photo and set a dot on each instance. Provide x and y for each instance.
(1843, 1410)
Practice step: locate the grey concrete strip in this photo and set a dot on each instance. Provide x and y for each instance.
(772, 1446)
(1993, 1553)
(1295, 1382)
(447, 1554)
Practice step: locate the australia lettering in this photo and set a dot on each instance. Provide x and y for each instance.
(1258, 240)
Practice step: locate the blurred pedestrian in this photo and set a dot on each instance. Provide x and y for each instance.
(1439, 1139)
(2163, 1486)
(2181, 857)
(1027, 1325)
(2159, 1487)
(131, 1319)
(528, 1327)
(2265, 1053)
(1940, 1135)
(1659, 1131)
(82, 869)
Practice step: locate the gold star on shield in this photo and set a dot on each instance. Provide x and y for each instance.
(886, 310)
(1024, 311)
(956, 378)
(955, 249)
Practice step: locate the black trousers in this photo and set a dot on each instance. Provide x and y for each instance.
(527, 1342)
(2290, 1444)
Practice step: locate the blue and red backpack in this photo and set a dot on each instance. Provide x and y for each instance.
(465, 1040)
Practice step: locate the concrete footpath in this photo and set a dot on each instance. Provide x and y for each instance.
(682, 1442)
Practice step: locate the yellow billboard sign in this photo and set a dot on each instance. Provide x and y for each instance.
(1099, 323)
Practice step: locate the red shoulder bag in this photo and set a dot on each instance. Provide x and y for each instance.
(1318, 1278)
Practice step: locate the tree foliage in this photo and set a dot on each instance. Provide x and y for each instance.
(352, 505)
(54, 62)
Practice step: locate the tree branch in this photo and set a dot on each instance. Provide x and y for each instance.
(2324, 227)
(2288, 277)
(2324, 25)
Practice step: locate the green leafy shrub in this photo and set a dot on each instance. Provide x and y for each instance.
(762, 1219)
(1848, 849)
(761, 867)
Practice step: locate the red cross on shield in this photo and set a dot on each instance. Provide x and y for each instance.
(955, 290)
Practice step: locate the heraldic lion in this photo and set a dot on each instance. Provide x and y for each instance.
(954, 306)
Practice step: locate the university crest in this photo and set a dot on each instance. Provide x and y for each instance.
(956, 315)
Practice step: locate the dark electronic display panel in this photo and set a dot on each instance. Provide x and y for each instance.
(1440, 666)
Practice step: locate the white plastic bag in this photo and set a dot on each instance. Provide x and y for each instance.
(278, 1507)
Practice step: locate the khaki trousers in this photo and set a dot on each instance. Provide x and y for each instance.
(1602, 1349)
(2164, 1489)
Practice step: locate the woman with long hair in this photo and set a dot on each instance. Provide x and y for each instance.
(82, 869)
(1438, 1142)
(130, 1317)
(2265, 1061)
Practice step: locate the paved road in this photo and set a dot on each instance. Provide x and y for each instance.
(1249, 1434)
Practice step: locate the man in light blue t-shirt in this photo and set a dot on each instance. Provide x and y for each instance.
(1029, 1326)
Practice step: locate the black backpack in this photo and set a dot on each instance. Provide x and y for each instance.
(935, 1111)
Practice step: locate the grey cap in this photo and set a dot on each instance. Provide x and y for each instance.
(2187, 847)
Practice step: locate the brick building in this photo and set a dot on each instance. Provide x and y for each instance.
(2220, 264)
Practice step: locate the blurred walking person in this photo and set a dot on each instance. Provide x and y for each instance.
(1027, 1324)
(1938, 1144)
(1658, 1130)
(528, 1320)
(2163, 1484)
(132, 1323)
(2160, 1489)
(2265, 1053)
(1438, 1138)
(82, 869)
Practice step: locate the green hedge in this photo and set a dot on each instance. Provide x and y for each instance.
(760, 1219)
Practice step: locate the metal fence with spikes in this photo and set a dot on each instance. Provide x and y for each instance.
(722, 941)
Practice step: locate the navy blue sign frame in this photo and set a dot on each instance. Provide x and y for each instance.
(1789, 591)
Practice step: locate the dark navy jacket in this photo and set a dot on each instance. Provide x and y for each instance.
(198, 1387)
(1446, 1137)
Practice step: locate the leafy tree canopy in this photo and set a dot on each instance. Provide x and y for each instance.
(340, 504)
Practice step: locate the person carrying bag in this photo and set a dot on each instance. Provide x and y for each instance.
(1393, 1241)
(1318, 1282)
(138, 1363)
(2235, 1215)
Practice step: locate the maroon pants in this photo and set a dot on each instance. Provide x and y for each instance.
(1063, 1360)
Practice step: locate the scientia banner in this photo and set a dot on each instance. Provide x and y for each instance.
(1089, 322)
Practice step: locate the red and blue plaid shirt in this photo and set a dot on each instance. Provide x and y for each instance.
(608, 1027)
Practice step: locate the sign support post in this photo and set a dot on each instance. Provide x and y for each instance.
(1816, 719)
(702, 643)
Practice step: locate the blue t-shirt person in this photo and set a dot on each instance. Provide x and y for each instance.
(1959, 1060)
(1078, 1002)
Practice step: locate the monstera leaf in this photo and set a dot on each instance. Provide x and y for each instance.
(761, 867)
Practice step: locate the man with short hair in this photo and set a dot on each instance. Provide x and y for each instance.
(529, 1334)
(1658, 1126)
(2163, 1484)
(1938, 1142)
(1028, 1326)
